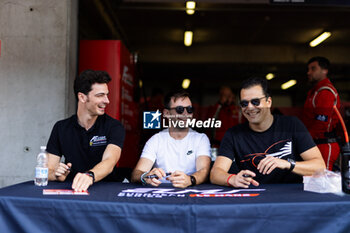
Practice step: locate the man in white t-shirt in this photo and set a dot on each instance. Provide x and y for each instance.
(177, 154)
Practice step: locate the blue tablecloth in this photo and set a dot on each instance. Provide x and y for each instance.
(117, 207)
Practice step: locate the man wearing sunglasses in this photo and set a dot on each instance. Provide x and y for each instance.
(319, 116)
(177, 154)
(266, 149)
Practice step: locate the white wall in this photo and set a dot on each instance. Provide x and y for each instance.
(37, 66)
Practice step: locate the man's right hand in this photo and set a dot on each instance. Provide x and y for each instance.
(243, 179)
(62, 171)
(155, 181)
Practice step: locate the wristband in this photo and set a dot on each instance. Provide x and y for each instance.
(229, 179)
(142, 180)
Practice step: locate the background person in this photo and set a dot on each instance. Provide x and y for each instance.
(318, 114)
(91, 141)
(227, 112)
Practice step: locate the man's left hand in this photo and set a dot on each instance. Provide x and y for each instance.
(268, 164)
(81, 182)
(179, 179)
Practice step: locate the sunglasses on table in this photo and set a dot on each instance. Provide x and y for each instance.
(255, 102)
(181, 109)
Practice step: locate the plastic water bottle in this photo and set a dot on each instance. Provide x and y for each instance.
(41, 169)
(345, 168)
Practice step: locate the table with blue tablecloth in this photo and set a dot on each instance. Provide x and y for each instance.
(123, 207)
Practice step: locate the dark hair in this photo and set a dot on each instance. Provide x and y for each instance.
(174, 95)
(250, 82)
(87, 78)
(322, 62)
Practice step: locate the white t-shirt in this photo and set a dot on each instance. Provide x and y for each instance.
(171, 154)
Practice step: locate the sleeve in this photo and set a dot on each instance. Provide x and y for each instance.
(149, 150)
(227, 149)
(53, 145)
(324, 101)
(226, 146)
(116, 135)
(203, 146)
(302, 137)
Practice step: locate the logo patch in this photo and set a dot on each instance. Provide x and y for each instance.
(323, 118)
(280, 149)
(98, 141)
(151, 120)
(189, 152)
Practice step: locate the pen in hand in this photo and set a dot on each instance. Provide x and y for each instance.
(155, 176)
(62, 160)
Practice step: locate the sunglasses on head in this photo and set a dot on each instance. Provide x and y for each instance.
(255, 102)
(181, 109)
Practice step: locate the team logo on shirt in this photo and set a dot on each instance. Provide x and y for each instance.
(151, 120)
(323, 118)
(189, 152)
(98, 141)
(283, 149)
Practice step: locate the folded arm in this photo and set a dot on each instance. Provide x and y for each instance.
(179, 179)
(110, 158)
(202, 166)
(219, 174)
(57, 171)
(145, 165)
(313, 162)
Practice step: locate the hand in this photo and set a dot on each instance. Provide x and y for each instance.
(268, 164)
(155, 181)
(239, 181)
(82, 182)
(179, 179)
(62, 171)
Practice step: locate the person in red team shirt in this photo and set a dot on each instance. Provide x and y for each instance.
(319, 116)
(227, 112)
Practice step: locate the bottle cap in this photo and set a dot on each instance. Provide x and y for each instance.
(43, 148)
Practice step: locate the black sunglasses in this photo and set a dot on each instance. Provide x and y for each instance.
(255, 102)
(181, 109)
